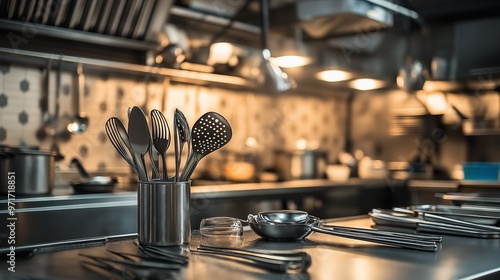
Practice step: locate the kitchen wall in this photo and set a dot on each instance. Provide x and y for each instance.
(261, 123)
(384, 126)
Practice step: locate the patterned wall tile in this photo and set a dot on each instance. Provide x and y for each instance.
(271, 122)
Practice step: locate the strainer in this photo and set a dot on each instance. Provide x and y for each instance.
(210, 132)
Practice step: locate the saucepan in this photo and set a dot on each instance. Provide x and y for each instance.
(288, 225)
(32, 169)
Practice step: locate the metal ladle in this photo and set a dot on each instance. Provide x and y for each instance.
(80, 121)
(297, 231)
(275, 77)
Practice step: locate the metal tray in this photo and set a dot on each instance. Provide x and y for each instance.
(485, 199)
(479, 215)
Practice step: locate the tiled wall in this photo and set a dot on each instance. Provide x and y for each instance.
(275, 122)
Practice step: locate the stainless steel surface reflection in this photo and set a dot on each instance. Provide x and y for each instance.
(163, 209)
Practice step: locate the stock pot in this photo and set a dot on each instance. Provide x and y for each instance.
(34, 169)
(301, 164)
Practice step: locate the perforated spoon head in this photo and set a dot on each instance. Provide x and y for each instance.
(210, 133)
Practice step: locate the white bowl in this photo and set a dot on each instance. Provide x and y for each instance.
(338, 172)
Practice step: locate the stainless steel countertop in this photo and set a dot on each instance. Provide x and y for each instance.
(213, 191)
(332, 258)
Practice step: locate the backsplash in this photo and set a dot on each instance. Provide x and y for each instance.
(261, 123)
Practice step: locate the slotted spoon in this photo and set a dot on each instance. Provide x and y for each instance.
(182, 135)
(119, 139)
(210, 132)
(161, 137)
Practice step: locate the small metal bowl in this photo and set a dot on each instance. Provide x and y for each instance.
(282, 232)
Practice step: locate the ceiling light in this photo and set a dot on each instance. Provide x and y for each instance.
(293, 53)
(366, 84)
(291, 61)
(220, 53)
(333, 75)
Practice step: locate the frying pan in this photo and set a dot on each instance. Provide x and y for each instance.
(298, 231)
(91, 184)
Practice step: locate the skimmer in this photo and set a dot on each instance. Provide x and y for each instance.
(210, 132)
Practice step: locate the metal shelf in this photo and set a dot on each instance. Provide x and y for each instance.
(38, 58)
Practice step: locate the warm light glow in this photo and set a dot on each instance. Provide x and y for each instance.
(301, 144)
(220, 53)
(251, 142)
(435, 102)
(400, 82)
(333, 75)
(290, 61)
(366, 84)
(197, 67)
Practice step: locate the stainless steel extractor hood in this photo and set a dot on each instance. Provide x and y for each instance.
(326, 18)
(88, 20)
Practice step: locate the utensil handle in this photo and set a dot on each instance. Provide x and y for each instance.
(471, 232)
(176, 150)
(255, 261)
(408, 236)
(191, 163)
(422, 245)
(437, 218)
(141, 169)
(155, 173)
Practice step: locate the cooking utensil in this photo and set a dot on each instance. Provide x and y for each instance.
(384, 218)
(489, 199)
(281, 262)
(301, 217)
(479, 215)
(132, 264)
(158, 252)
(161, 137)
(182, 135)
(283, 217)
(140, 140)
(276, 231)
(275, 77)
(80, 121)
(210, 133)
(447, 220)
(301, 164)
(34, 170)
(135, 257)
(118, 137)
(47, 128)
(92, 184)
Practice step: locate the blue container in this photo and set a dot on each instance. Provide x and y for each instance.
(481, 171)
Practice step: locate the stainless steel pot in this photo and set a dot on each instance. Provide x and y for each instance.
(301, 164)
(34, 170)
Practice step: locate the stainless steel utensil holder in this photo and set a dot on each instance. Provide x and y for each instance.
(163, 208)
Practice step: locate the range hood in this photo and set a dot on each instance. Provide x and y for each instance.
(465, 56)
(88, 20)
(325, 18)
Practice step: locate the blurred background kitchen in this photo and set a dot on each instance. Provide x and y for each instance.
(393, 94)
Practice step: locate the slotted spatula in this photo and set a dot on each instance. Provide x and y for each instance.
(182, 135)
(210, 132)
